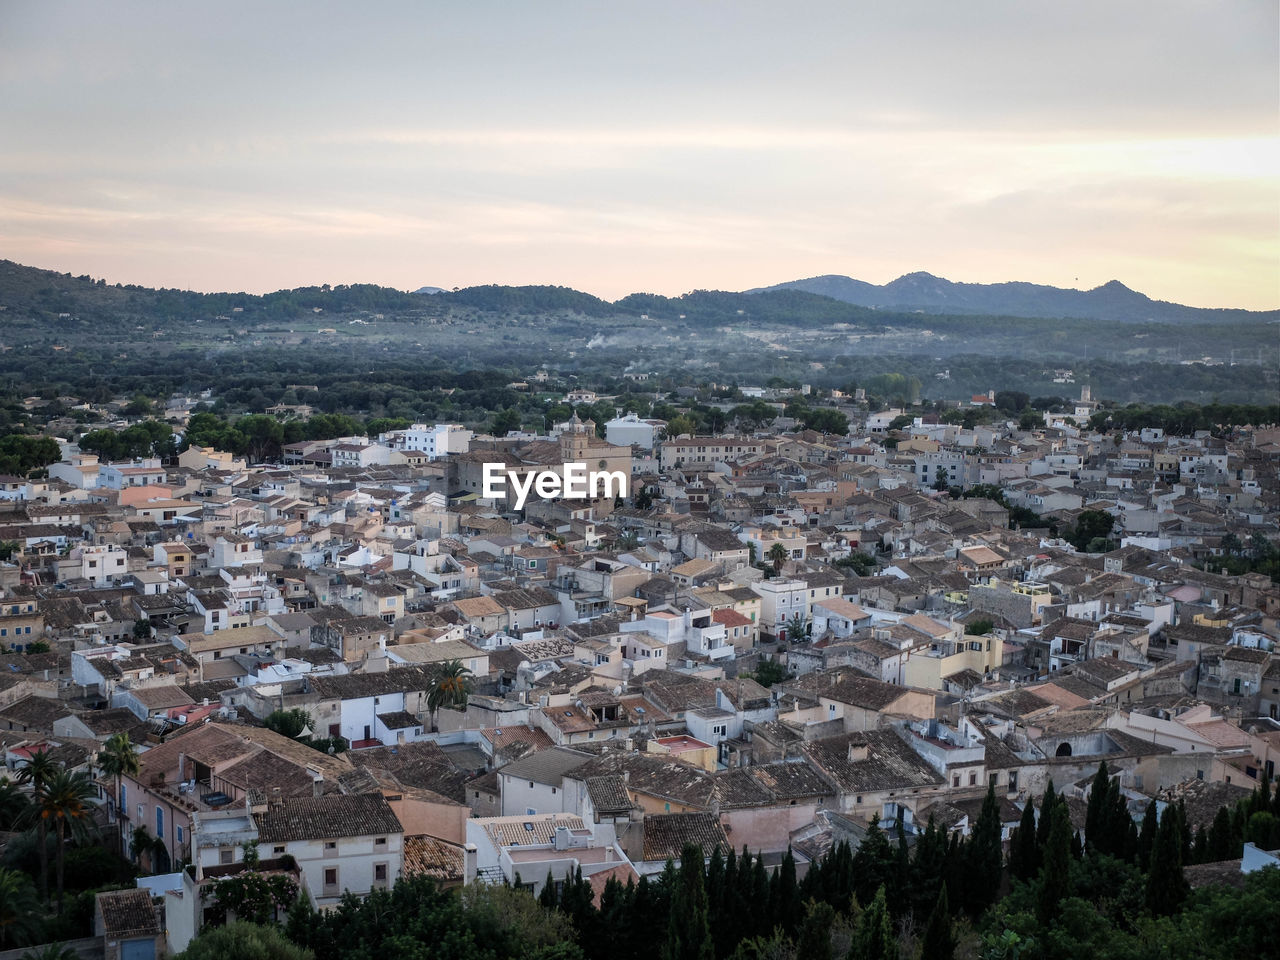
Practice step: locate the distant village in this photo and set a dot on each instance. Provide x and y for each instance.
(350, 667)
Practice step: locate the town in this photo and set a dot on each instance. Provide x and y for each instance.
(432, 653)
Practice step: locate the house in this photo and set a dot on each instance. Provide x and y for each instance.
(341, 843)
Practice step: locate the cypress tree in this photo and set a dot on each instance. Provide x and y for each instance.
(1046, 821)
(927, 866)
(1094, 814)
(938, 942)
(874, 939)
(548, 897)
(814, 940)
(761, 908)
(715, 888)
(1222, 843)
(1129, 853)
(688, 930)
(788, 907)
(874, 864)
(1055, 872)
(1200, 846)
(1024, 853)
(1166, 884)
(1147, 836)
(984, 858)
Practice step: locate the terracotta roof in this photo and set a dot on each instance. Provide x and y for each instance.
(432, 857)
(127, 913)
(665, 834)
(328, 818)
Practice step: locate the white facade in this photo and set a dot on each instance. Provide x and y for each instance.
(628, 430)
(780, 600)
(435, 440)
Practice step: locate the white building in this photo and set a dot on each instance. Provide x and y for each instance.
(781, 599)
(340, 842)
(628, 430)
(435, 440)
(102, 564)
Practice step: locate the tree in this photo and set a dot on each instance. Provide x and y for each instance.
(874, 939)
(450, 687)
(118, 758)
(51, 951)
(1094, 812)
(1092, 529)
(769, 672)
(984, 855)
(681, 425)
(38, 769)
(1024, 852)
(1055, 872)
(19, 909)
(814, 940)
(142, 629)
(798, 628)
(241, 940)
(288, 723)
(1166, 884)
(13, 804)
(939, 941)
(63, 801)
(777, 556)
(688, 929)
(505, 421)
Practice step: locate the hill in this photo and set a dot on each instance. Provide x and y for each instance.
(924, 292)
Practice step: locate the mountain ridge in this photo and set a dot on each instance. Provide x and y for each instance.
(924, 292)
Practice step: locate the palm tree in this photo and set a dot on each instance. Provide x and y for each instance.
(51, 951)
(450, 687)
(13, 803)
(64, 802)
(39, 768)
(778, 555)
(140, 842)
(19, 909)
(119, 758)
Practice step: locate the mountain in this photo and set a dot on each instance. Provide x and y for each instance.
(426, 291)
(924, 292)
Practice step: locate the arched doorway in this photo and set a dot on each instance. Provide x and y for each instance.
(1064, 750)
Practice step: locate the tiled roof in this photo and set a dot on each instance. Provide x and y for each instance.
(665, 834)
(127, 913)
(432, 857)
(528, 831)
(609, 795)
(546, 766)
(887, 763)
(328, 818)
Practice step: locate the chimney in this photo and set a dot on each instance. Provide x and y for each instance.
(276, 802)
(470, 866)
(857, 752)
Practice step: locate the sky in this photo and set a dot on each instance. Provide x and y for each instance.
(654, 146)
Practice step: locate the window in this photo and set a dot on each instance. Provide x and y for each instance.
(225, 854)
(277, 850)
(379, 873)
(973, 778)
(330, 877)
(382, 841)
(179, 834)
(330, 846)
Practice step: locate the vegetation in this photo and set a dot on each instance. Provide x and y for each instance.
(450, 687)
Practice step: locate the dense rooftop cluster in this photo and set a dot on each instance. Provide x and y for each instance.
(351, 666)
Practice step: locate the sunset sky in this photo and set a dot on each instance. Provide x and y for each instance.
(655, 146)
